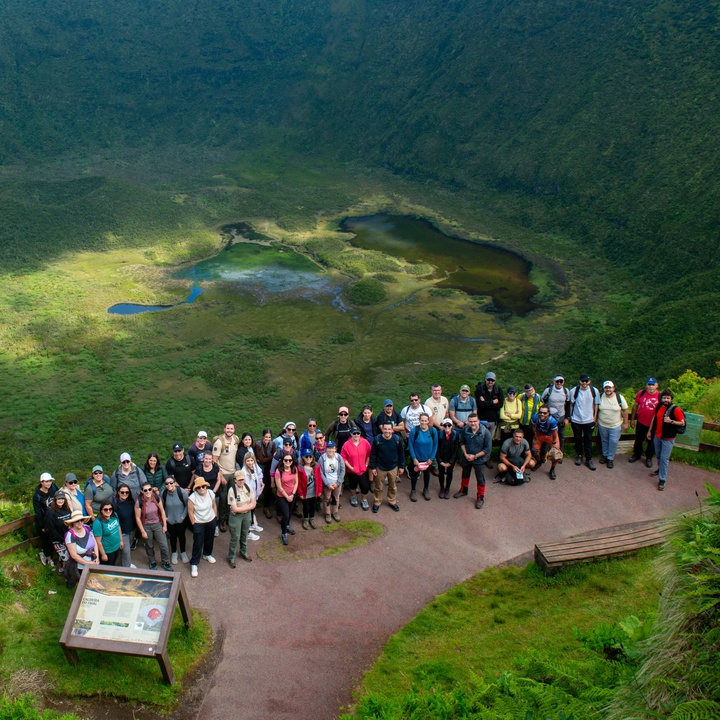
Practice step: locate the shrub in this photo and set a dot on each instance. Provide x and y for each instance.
(367, 292)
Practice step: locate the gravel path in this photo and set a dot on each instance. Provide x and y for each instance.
(300, 634)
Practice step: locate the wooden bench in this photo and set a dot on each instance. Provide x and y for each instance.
(602, 543)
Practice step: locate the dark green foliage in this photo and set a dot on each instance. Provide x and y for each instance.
(367, 292)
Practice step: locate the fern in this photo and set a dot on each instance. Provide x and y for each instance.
(696, 710)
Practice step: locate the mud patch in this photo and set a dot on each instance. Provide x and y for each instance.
(323, 542)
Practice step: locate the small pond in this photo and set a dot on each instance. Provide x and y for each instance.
(472, 267)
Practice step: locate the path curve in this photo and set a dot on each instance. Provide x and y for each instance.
(299, 635)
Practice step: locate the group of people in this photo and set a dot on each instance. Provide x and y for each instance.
(215, 486)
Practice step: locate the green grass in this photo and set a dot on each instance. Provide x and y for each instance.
(506, 622)
(363, 531)
(34, 603)
(24, 707)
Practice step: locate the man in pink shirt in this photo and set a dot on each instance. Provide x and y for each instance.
(643, 412)
(356, 455)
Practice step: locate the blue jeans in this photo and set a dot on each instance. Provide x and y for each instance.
(663, 448)
(609, 440)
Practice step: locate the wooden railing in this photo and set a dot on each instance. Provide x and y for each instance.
(26, 521)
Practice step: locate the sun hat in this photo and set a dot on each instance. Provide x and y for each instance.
(75, 516)
(46, 476)
(200, 482)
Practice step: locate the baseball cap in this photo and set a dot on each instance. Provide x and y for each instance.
(652, 381)
(125, 456)
(71, 476)
(177, 446)
(490, 376)
(356, 431)
(465, 387)
(584, 376)
(511, 390)
(97, 468)
(447, 421)
(330, 443)
(343, 409)
(287, 441)
(307, 453)
(387, 403)
(202, 433)
(558, 377)
(46, 476)
(608, 383)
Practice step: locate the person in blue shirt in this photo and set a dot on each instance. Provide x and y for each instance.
(422, 443)
(546, 441)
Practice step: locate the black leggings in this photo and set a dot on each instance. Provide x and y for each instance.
(415, 476)
(362, 480)
(176, 535)
(283, 508)
(308, 508)
(445, 475)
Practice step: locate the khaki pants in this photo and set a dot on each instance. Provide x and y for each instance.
(331, 500)
(378, 483)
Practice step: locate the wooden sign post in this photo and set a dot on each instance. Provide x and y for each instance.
(127, 611)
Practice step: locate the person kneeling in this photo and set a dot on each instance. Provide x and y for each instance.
(546, 443)
(515, 458)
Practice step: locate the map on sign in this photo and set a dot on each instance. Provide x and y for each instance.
(691, 438)
(123, 607)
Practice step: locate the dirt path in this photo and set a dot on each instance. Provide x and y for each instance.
(299, 635)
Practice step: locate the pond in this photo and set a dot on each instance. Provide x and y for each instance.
(472, 267)
(259, 268)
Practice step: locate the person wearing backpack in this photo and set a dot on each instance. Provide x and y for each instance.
(557, 397)
(612, 419)
(152, 523)
(224, 451)
(667, 424)
(98, 492)
(387, 461)
(584, 399)
(641, 418)
(174, 499)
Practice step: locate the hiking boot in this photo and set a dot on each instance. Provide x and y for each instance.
(648, 463)
(413, 496)
(336, 517)
(284, 539)
(610, 464)
(297, 512)
(426, 494)
(479, 503)
(661, 485)
(290, 531)
(364, 504)
(460, 493)
(312, 523)
(591, 465)
(376, 509)
(603, 460)
(353, 500)
(268, 513)
(306, 524)
(328, 520)
(633, 459)
(174, 559)
(395, 507)
(223, 526)
(246, 558)
(231, 563)
(167, 567)
(578, 460)
(153, 566)
(553, 476)
(655, 473)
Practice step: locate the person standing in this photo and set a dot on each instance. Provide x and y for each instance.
(584, 399)
(460, 407)
(152, 523)
(447, 453)
(489, 398)
(366, 422)
(307, 488)
(97, 492)
(530, 403)
(387, 461)
(175, 500)
(612, 419)
(643, 411)
(389, 413)
(341, 429)
(422, 444)
(307, 439)
(108, 536)
(130, 474)
(181, 466)
(198, 449)
(289, 432)
(286, 484)
(356, 455)
(438, 405)
(264, 452)
(58, 511)
(254, 478)
(225, 449)
(202, 513)
(154, 471)
(125, 510)
(475, 446)
(241, 501)
(331, 472)
(42, 497)
(410, 414)
(668, 421)
(75, 498)
(511, 414)
(557, 397)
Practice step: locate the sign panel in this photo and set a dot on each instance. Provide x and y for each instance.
(691, 438)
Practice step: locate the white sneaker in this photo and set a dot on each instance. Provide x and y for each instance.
(193, 571)
(210, 559)
(253, 536)
(51, 562)
(43, 558)
(256, 528)
(184, 557)
(133, 566)
(174, 559)
(217, 531)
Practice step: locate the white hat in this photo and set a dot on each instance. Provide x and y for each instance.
(125, 456)
(608, 383)
(46, 476)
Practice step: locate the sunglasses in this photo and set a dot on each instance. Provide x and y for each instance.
(341, 414)
(107, 509)
(287, 460)
(290, 429)
(125, 462)
(312, 425)
(147, 490)
(169, 483)
(72, 482)
(48, 480)
(123, 492)
(97, 472)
